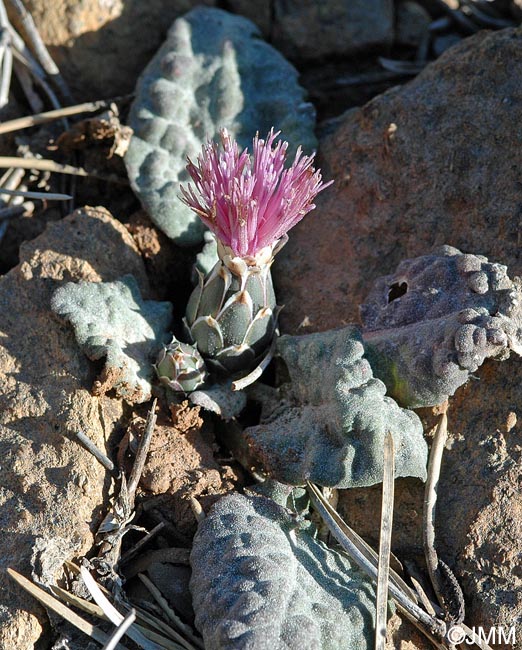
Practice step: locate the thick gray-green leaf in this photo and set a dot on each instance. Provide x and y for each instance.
(111, 320)
(261, 580)
(327, 423)
(433, 322)
(213, 71)
(220, 399)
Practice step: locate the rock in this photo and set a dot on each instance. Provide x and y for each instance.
(181, 464)
(213, 71)
(314, 29)
(259, 12)
(447, 175)
(51, 486)
(413, 22)
(101, 47)
(479, 516)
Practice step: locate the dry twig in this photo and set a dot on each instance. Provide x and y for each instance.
(49, 116)
(388, 484)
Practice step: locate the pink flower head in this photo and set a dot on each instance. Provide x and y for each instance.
(251, 202)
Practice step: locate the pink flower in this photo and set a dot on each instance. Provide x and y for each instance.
(251, 202)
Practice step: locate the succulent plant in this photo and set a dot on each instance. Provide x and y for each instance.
(327, 423)
(180, 367)
(260, 579)
(249, 205)
(112, 321)
(214, 70)
(433, 322)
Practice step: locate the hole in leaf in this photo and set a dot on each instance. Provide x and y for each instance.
(396, 291)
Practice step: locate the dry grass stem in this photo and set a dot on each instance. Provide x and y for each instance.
(141, 543)
(99, 455)
(49, 116)
(120, 631)
(44, 196)
(172, 616)
(39, 49)
(430, 502)
(59, 608)
(141, 454)
(383, 572)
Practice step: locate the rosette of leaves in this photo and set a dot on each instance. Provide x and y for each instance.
(434, 321)
(327, 423)
(260, 579)
(213, 71)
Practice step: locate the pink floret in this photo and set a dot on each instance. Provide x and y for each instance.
(251, 202)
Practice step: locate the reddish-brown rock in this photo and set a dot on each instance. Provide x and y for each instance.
(102, 46)
(434, 162)
(51, 488)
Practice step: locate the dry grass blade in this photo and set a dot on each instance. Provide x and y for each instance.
(49, 116)
(42, 164)
(141, 543)
(6, 74)
(6, 57)
(430, 502)
(44, 196)
(432, 627)
(467, 25)
(85, 605)
(153, 622)
(61, 609)
(38, 46)
(149, 620)
(184, 629)
(97, 453)
(114, 615)
(367, 550)
(383, 573)
(401, 67)
(141, 454)
(120, 631)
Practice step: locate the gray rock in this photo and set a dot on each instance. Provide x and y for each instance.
(111, 321)
(314, 29)
(213, 71)
(327, 424)
(261, 580)
(50, 487)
